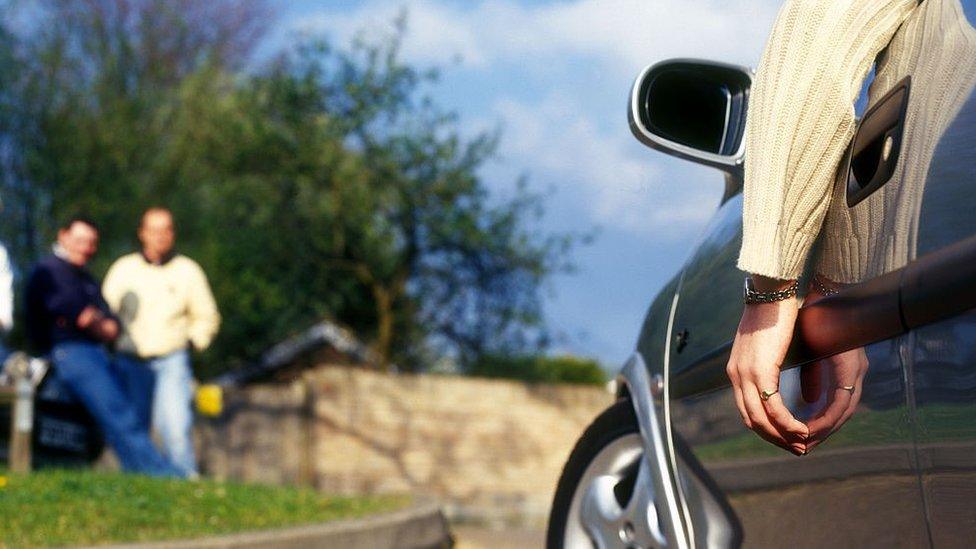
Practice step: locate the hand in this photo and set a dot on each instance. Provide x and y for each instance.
(97, 324)
(88, 317)
(106, 330)
(760, 346)
(846, 369)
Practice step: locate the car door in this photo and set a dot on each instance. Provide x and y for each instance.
(861, 486)
(858, 488)
(942, 357)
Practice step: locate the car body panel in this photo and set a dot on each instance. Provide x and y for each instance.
(943, 355)
(902, 470)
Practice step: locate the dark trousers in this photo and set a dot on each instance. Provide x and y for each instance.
(87, 370)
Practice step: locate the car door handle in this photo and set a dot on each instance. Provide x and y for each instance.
(874, 152)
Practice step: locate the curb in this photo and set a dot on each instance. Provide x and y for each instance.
(416, 528)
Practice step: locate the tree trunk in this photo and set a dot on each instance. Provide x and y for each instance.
(384, 323)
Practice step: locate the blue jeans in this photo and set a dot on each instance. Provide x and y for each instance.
(88, 372)
(139, 382)
(161, 387)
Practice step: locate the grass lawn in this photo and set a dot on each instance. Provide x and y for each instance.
(83, 507)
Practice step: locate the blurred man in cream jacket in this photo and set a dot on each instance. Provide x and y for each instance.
(166, 308)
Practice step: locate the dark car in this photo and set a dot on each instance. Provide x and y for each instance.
(670, 464)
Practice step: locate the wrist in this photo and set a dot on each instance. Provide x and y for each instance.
(773, 291)
(766, 284)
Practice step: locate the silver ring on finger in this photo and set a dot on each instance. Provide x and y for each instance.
(848, 388)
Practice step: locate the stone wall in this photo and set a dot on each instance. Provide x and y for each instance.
(486, 449)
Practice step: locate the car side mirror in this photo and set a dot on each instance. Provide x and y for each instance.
(694, 110)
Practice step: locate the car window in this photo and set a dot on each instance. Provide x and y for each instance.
(861, 105)
(969, 8)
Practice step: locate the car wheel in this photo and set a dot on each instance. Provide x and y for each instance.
(595, 503)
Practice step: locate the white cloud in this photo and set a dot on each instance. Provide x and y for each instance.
(625, 32)
(608, 176)
(582, 54)
(556, 75)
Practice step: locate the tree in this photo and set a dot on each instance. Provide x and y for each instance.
(91, 82)
(419, 230)
(324, 184)
(17, 128)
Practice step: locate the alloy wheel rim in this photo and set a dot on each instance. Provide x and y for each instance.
(606, 511)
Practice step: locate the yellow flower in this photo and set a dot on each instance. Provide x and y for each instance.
(3, 481)
(210, 400)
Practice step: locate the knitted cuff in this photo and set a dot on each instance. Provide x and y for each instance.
(767, 251)
(844, 258)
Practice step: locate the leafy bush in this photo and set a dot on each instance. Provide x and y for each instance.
(541, 369)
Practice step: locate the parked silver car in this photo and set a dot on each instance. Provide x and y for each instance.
(671, 465)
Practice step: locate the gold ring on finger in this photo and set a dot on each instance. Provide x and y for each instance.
(848, 388)
(764, 395)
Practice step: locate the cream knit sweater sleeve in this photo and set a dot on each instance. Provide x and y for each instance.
(801, 119)
(202, 313)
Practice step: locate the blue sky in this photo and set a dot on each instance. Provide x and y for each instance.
(554, 75)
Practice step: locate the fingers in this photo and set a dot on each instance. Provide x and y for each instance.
(761, 342)
(840, 408)
(741, 406)
(782, 419)
(810, 382)
(854, 399)
(830, 418)
(737, 393)
(763, 426)
(845, 370)
(775, 409)
(771, 420)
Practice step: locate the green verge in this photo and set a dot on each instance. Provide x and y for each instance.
(938, 423)
(61, 507)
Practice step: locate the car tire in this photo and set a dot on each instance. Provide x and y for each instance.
(614, 430)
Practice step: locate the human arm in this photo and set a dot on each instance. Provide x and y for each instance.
(95, 321)
(761, 341)
(801, 119)
(56, 296)
(113, 286)
(204, 318)
(64, 299)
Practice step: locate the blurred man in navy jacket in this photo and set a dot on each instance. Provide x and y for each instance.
(68, 318)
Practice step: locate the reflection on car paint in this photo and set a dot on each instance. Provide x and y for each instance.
(929, 205)
(878, 441)
(944, 367)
